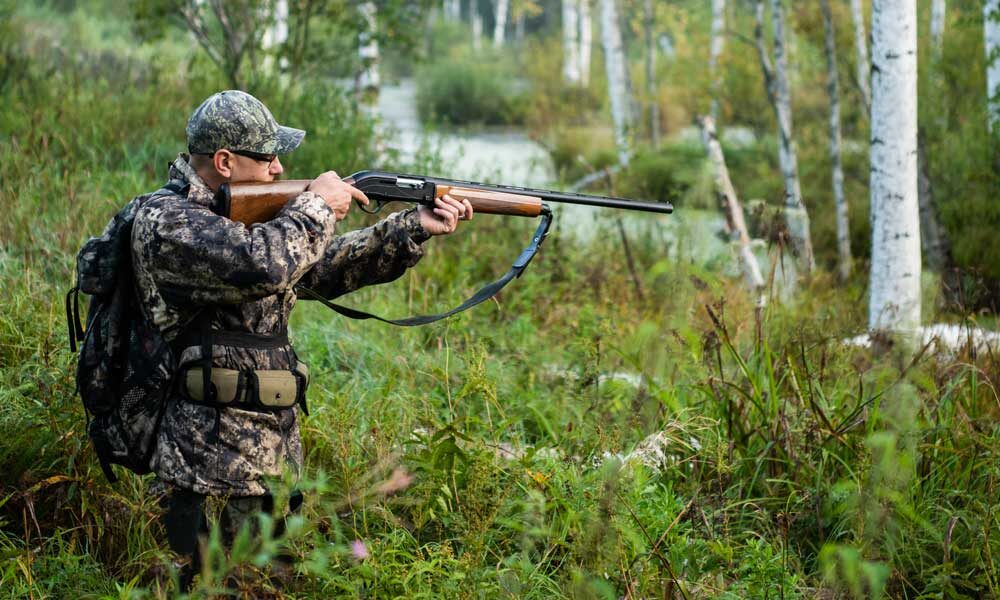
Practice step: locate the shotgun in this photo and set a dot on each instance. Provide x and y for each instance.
(257, 202)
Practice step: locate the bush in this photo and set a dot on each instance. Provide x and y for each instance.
(469, 91)
(666, 175)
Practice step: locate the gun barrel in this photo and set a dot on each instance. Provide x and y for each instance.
(561, 197)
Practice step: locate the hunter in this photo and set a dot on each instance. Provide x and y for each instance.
(221, 294)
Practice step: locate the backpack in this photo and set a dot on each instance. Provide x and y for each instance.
(126, 368)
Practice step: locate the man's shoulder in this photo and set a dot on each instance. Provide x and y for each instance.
(167, 199)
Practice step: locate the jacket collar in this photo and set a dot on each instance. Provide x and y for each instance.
(181, 171)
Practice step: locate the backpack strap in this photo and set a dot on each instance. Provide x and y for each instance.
(75, 329)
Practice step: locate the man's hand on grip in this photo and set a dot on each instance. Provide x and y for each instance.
(337, 194)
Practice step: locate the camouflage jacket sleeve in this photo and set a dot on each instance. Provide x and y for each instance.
(376, 254)
(196, 256)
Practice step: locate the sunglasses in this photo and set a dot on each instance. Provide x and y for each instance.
(267, 158)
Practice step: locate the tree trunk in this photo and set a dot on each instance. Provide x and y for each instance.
(477, 25)
(863, 69)
(894, 301)
(368, 80)
(776, 80)
(571, 41)
(651, 88)
(616, 67)
(933, 239)
(500, 24)
(275, 36)
(736, 226)
(586, 41)
(715, 51)
(937, 24)
(991, 34)
(833, 89)
(451, 10)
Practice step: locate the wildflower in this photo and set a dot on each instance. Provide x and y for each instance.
(399, 480)
(359, 551)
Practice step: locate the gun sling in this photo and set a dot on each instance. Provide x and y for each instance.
(484, 293)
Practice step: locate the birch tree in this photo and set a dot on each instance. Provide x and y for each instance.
(736, 228)
(833, 90)
(894, 289)
(715, 51)
(500, 22)
(368, 80)
(937, 24)
(586, 41)
(276, 35)
(779, 94)
(477, 24)
(616, 67)
(571, 41)
(649, 22)
(862, 68)
(991, 36)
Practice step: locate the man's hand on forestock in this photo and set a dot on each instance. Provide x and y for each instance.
(337, 194)
(444, 217)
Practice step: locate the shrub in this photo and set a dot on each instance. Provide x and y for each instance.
(469, 91)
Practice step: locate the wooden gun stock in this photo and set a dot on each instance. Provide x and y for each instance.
(257, 202)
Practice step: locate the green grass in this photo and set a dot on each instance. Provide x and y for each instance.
(790, 466)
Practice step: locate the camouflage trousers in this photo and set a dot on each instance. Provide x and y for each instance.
(187, 524)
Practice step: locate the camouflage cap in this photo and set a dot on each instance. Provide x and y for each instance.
(236, 120)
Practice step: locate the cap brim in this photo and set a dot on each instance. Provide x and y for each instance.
(289, 139)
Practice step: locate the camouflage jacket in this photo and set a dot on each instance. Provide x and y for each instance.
(187, 259)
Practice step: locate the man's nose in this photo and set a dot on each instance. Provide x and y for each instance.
(276, 168)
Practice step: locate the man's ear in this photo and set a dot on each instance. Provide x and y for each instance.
(222, 160)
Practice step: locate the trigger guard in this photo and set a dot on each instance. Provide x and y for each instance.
(378, 204)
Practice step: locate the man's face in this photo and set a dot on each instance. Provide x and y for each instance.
(245, 168)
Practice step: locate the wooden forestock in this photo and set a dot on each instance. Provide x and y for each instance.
(494, 203)
(251, 203)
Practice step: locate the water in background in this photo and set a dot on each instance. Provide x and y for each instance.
(508, 156)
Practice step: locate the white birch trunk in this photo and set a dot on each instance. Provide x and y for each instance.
(715, 51)
(651, 89)
(615, 65)
(938, 8)
(736, 226)
(833, 90)
(477, 24)
(894, 301)
(500, 23)
(571, 41)
(991, 35)
(586, 41)
(863, 69)
(453, 10)
(368, 80)
(776, 79)
(275, 35)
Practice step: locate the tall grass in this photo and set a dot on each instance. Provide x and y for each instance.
(733, 465)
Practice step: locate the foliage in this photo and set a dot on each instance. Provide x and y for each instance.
(465, 91)
(573, 439)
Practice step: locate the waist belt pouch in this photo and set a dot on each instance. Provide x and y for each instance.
(229, 385)
(281, 389)
(276, 388)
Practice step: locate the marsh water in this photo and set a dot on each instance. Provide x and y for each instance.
(508, 155)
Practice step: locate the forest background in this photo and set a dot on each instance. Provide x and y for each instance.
(621, 422)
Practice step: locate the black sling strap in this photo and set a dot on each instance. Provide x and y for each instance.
(482, 295)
